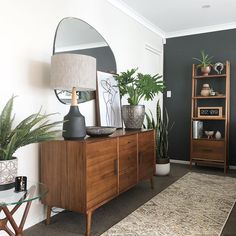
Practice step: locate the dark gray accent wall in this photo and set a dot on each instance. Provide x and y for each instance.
(105, 58)
(178, 54)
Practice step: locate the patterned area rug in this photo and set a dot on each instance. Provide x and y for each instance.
(196, 205)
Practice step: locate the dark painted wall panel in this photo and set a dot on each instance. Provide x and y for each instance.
(105, 59)
(177, 75)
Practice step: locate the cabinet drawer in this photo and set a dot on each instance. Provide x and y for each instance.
(128, 153)
(127, 179)
(208, 149)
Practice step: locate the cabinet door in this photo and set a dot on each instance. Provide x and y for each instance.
(127, 162)
(76, 186)
(53, 159)
(101, 158)
(146, 155)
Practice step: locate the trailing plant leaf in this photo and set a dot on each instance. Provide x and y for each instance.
(33, 129)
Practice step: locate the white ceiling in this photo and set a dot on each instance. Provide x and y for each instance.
(181, 17)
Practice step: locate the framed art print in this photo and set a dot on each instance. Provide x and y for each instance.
(109, 107)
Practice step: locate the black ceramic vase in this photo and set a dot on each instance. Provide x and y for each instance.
(74, 124)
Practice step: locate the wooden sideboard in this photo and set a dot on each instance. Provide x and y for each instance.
(84, 174)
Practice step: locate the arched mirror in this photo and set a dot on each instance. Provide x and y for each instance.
(76, 36)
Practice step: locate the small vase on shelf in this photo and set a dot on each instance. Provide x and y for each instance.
(205, 90)
(218, 135)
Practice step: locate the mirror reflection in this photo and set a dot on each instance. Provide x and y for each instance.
(76, 36)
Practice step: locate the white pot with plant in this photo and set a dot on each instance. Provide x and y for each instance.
(137, 86)
(205, 63)
(162, 127)
(33, 129)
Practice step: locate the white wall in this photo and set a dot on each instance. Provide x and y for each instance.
(27, 33)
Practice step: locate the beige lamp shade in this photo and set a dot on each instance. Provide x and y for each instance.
(73, 70)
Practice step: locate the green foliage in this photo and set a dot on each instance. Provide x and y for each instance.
(205, 60)
(162, 127)
(33, 129)
(138, 86)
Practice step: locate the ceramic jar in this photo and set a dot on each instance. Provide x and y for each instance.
(218, 135)
(205, 90)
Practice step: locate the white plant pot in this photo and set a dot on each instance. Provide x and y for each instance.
(8, 172)
(163, 169)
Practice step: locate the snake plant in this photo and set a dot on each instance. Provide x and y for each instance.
(162, 127)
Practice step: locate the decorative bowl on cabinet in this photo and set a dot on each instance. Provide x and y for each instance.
(96, 131)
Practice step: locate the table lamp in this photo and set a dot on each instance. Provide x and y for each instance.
(74, 72)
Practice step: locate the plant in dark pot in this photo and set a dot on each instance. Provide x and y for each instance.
(162, 127)
(137, 86)
(33, 129)
(205, 62)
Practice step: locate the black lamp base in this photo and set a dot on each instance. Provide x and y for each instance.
(74, 125)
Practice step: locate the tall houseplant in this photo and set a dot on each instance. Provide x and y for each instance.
(162, 126)
(205, 62)
(137, 86)
(33, 129)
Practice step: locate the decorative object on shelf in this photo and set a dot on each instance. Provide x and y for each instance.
(109, 109)
(213, 112)
(209, 134)
(100, 130)
(206, 90)
(162, 127)
(218, 67)
(212, 93)
(205, 63)
(218, 135)
(137, 86)
(78, 73)
(33, 129)
(197, 129)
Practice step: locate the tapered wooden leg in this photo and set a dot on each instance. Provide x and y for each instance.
(9, 215)
(88, 222)
(190, 166)
(225, 169)
(49, 209)
(152, 183)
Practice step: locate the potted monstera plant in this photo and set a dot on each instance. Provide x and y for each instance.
(33, 129)
(137, 86)
(162, 126)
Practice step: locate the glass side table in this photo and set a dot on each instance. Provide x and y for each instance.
(11, 198)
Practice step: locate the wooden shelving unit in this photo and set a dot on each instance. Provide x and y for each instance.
(203, 150)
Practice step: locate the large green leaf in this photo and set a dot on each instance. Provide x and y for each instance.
(139, 86)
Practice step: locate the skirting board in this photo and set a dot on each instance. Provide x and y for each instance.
(187, 163)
